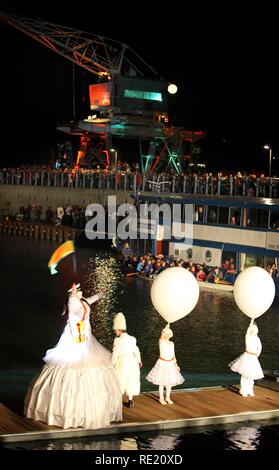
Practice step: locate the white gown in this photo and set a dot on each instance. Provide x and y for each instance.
(126, 359)
(165, 371)
(248, 364)
(78, 386)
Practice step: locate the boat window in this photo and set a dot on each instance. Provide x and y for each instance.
(235, 216)
(212, 213)
(257, 218)
(228, 257)
(223, 216)
(198, 214)
(250, 259)
(274, 220)
(189, 253)
(143, 246)
(178, 214)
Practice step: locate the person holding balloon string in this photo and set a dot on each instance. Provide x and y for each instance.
(248, 365)
(174, 294)
(254, 292)
(166, 372)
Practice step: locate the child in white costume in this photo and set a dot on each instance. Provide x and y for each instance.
(126, 359)
(78, 386)
(166, 372)
(247, 365)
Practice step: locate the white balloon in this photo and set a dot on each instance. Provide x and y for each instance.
(254, 291)
(175, 293)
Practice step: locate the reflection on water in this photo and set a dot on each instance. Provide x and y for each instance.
(245, 438)
(205, 341)
(164, 442)
(263, 435)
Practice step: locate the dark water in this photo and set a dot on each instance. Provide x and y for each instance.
(205, 341)
(263, 435)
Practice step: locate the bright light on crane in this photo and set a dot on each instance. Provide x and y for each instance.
(172, 89)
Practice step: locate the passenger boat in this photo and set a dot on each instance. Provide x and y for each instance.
(238, 228)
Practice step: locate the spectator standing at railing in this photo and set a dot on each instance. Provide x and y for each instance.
(68, 215)
(33, 213)
(49, 215)
(60, 213)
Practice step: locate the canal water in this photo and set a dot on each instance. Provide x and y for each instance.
(205, 341)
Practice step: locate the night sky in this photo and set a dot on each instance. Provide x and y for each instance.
(223, 62)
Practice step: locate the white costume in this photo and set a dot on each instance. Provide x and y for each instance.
(78, 386)
(166, 372)
(60, 212)
(248, 365)
(126, 359)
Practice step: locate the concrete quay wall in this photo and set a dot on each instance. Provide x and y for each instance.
(12, 197)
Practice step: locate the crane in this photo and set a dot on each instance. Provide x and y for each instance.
(129, 100)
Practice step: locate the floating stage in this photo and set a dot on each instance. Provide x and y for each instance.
(192, 407)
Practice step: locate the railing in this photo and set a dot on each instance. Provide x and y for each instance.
(39, 230)
(134, 181)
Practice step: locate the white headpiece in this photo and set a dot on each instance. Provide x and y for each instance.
(119, 322)
(75, 288)
(252, 328)
(167, 332)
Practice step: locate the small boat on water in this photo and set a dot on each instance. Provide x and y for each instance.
(221, 286)
(216, 286)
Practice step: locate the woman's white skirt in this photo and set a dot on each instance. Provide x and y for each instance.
(78, 386)
(69, 397)
(165, 373)
(248, 366)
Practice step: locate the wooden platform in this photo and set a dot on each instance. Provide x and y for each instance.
(192, 407)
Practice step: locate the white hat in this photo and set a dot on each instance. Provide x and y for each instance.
(252, 328)
(167, 332)
(119, 322)
(75, 287)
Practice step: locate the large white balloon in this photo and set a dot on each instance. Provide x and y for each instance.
(174, 293)
(254, 291)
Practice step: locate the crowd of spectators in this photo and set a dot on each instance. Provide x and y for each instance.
(150, 266)
(124, 178)
(70, 215)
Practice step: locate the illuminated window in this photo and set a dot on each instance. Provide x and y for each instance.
(143, 95)
(100, 95)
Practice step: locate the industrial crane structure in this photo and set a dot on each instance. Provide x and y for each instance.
(129, 100)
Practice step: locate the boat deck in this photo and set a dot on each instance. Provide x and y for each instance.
(224, 287)
(192, 407)
(218, 287)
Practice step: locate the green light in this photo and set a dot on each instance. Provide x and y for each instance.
(143, 95)
(144, 166)
(118, 126)
(173, 159)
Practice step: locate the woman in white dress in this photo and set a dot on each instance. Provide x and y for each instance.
(78, 386)
(166, 372)
(248, 365)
